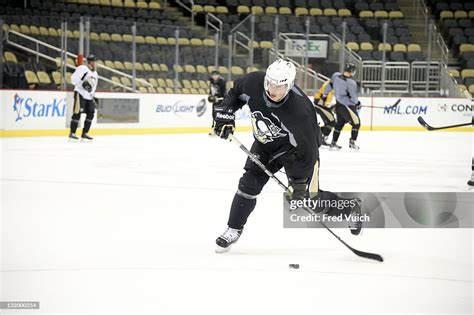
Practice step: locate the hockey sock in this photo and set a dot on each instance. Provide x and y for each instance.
(240, 210)
(355, 132)
(88, 122)
(336, 134)
(75, 122)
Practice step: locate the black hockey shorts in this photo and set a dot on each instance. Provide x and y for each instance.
(325, 113)
(347, 114)
(81, 105)
(254, 178)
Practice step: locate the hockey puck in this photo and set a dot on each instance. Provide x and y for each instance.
(294, 266)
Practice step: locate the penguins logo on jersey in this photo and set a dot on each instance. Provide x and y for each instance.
(264, 129)
(215, 90)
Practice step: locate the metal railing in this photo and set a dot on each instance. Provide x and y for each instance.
(453, 89)
(397, 77)
(314, 80)
(422, 12)
(65, 54)
(237, 39)
(436, 43)
(345, 55)
(189, 9)
(371, 74)
(425, 76)
(400, 77)
(219, 29)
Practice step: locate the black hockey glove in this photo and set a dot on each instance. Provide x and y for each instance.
(224, 123)
(297, 188)
(87, 86)
(95, 101)
(211, 98)
(358, 106)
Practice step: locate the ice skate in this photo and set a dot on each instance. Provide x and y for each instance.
(86, 138)
(73, 138)
(325, 142)
(334, 147)
(355, 225)
(471, 181)
(353, 146)
(225, 241)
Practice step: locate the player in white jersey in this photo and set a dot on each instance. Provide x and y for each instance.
(85, 80)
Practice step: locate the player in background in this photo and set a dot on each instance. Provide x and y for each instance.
(217, 91)
(85, 80)
(347, 104)
(323, 107)
(286, 136)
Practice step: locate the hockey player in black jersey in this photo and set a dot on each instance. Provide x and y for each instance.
(217, 91)
(286, 135)
(322, 105)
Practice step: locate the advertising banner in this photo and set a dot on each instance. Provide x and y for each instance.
(25, 110)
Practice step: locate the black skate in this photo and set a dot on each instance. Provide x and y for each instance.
(334, 147)
(73, 137)
(325, 142)
(353, 146)
(471, 181)
(86, 137)
(355, 225)
(225, 241)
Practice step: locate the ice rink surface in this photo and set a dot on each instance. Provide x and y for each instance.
(127, 225)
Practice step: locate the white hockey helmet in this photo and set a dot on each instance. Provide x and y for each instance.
(280, 72)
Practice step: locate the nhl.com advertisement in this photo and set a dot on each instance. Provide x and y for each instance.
(404, 113)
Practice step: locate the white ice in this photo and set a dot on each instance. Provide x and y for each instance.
(127, 225)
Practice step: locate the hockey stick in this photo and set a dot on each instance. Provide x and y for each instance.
(430, 128)
(383, 107)
(359, 253)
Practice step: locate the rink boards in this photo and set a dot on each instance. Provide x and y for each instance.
(37, 113)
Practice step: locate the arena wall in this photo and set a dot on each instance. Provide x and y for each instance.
(47, 113)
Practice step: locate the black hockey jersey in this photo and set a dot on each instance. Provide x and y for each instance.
(279, 127)
(217, 88)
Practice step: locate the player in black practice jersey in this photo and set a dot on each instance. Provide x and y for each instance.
(286, 135)
(322, 105)
(217, 91)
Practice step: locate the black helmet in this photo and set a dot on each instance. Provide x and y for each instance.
(91, 58)
(215, 72)
(350, 67)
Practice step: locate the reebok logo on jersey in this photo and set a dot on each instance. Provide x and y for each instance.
(225, 116)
